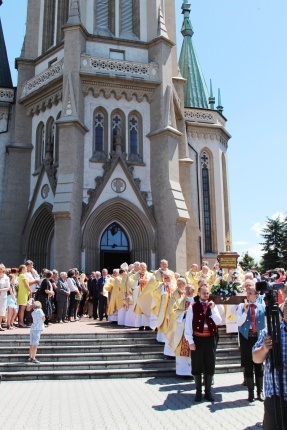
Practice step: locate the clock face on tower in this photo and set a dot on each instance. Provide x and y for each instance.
(45, 191)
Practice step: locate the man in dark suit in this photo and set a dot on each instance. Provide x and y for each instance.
(62, 297)
(102, 298)
(93, 292)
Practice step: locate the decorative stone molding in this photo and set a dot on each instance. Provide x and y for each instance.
(127, 69)
(43, 78)
(4, 118)
(100, 180)
(7, 95)
(118, 90)
(44, 104)
(204, 116)
(209, 135)
(51, 173)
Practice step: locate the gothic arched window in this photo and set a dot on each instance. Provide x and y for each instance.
(114, 239)
(118, 18)
(62, 18)
(56, 141)
(48, 24)
(55, 15)
(100, 149)
(105, 17)
(135, 137)
(129, 19)
(118, 130)
(40, 145)
(206, 202)
(50, 140)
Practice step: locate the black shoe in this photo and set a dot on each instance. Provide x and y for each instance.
(198, 396)
(250, 386)
(141, 328)
(259, 387)
(208, 397)
(148, 328)
(101, 319)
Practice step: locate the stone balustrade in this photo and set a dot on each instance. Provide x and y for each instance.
(203, 116)
(43, 78)
(7, 95)
(112, 67)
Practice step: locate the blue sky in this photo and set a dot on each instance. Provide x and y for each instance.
(241, 46)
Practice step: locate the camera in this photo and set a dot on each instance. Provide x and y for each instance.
(268, 285)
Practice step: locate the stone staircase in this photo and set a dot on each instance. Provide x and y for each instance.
(121, 354)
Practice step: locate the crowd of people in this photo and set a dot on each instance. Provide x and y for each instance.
(176, 306)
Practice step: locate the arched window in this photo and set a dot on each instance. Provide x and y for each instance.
(40, 145)
(118, 130)
(114, 239)
(129, 19)
(62, 18)
(105, 17)
(48, 24)
(225, 197)
(206, 202)
(50, 139)
(100, 149)
(56, 140)
(118, 18)
(135, 138)
(55, 15)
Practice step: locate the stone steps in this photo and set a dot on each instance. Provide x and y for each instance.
(121, 353)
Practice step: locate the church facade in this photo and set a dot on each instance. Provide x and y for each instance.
(112, 150)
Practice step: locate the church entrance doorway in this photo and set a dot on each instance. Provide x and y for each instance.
(115, 248)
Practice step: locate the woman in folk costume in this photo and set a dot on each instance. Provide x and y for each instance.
(142, 297)
(175, 335)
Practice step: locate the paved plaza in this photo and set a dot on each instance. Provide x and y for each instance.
(149, 403)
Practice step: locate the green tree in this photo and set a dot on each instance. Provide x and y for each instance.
(247, 262)
(272, 245)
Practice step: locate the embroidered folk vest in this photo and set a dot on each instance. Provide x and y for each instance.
(199, 319)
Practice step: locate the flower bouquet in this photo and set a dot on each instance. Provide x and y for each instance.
(227, 293)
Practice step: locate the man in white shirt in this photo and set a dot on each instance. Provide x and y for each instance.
(200, 331)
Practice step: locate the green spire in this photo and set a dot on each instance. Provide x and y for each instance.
(219, 107)
(211, 99)
(195, 89)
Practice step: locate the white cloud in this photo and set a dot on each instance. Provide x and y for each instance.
(253, 251)
(257, 228)
(278, 215)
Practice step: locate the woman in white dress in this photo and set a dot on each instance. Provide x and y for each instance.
(4, 287)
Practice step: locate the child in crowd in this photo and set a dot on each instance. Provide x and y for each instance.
(35, 332)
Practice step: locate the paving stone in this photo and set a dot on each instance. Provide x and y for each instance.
(149, 403)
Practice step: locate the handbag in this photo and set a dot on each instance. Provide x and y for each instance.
(30, 305)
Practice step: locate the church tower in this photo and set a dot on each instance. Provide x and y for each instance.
(96, 123)
(124, 157)
(207, 144)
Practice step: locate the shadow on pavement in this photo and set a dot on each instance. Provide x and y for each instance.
(175, 402)
(241, 403)
(255, 427)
